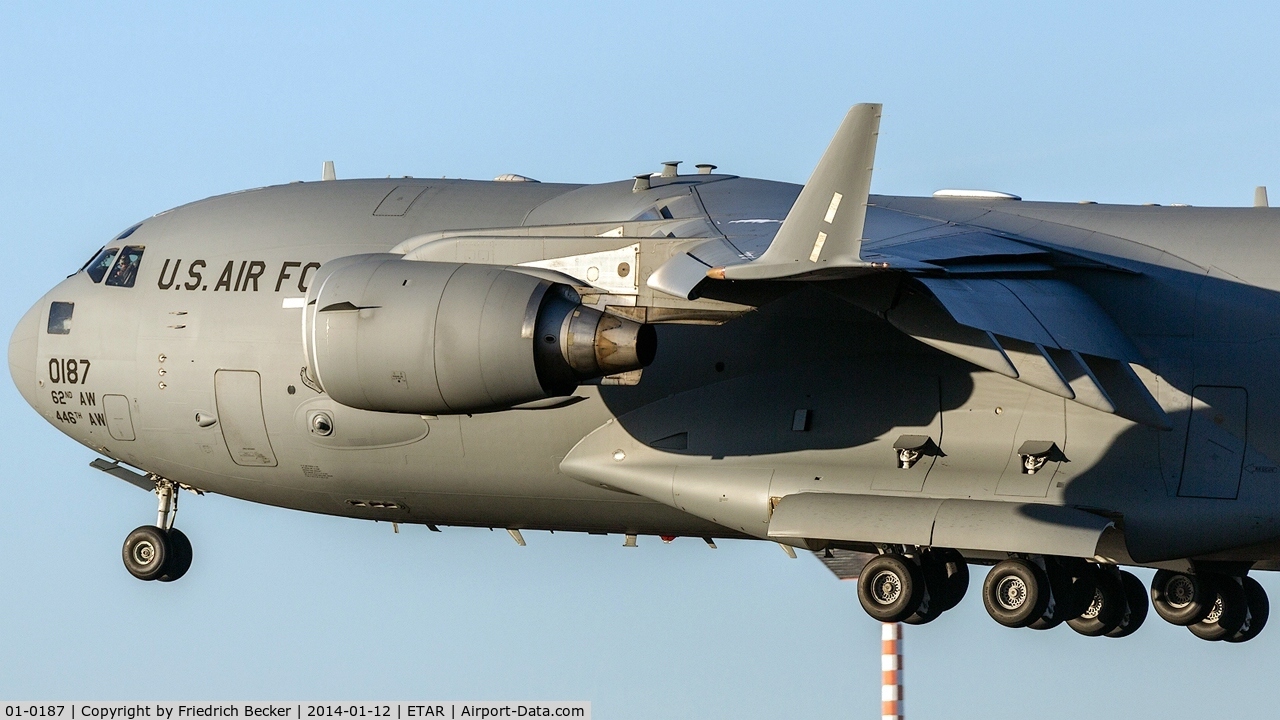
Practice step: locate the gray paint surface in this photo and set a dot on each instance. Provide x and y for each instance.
(1108, 320)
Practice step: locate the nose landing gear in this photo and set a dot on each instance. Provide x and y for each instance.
(161, 551)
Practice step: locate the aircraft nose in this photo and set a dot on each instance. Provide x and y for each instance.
(22, 354)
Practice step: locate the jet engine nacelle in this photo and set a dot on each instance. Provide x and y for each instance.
(393, 335)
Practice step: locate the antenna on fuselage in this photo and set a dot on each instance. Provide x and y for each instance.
(328, 173)
(1260, 196)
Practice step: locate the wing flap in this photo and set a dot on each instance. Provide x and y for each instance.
(1045, 333)
(1047, 311)
(988, 305)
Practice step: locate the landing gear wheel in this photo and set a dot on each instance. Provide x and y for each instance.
(891, 588)
(1135, 613)
(1057, 611)
(1072, 583)
(179, 559)
(1106, 609)
(1259, 610)
(1180, 598)
(946, 576)
(1228, 612)
(956, 570)
(927, 613)
(1016, 592)
(146, 551)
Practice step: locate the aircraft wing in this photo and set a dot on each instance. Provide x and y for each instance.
(1002, 302)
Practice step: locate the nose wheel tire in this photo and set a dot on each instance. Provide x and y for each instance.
(1181, 598)
(146, 551)
(151, 553)
(1016, 592)
(1228, 611)
(1259, 610)
(891, 588)
(1135, 613)
(180, 556)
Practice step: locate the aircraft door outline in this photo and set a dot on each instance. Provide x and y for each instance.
(1213, 459)
(238, 394)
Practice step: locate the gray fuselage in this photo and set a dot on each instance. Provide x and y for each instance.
(219, 292)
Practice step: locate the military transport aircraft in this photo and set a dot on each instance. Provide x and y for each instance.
(903, 385)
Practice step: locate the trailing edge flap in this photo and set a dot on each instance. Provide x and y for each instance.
(1048, 312)
(958, 523)
(1045, 333)
(823, 230)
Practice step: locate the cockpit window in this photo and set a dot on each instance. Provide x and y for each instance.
(60, 317)
(100, 263)
(128, 232)
(125, 271)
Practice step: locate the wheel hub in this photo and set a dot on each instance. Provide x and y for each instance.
(1179, 591)
(144, 553)
(1216, 613)
(1095, 606)
(1011, 593)
(886, 587)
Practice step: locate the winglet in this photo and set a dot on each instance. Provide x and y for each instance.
(824, 228)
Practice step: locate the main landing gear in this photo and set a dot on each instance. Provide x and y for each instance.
(1213, 606)
(161, 551)
(1044, 592)
(915, 588)
(914, 585)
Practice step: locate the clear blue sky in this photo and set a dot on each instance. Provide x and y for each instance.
(110, 114)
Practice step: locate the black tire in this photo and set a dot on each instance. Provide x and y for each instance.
(1016, 592)
(145, 552)
(946, 576)
(1136, 606)
(1180, 598)
(891, 588)
(1083, 579)
(1048, 621)
(1106, 608)
(928, 612)
(179, 561)
(1071, 581)
(1259, 610)
(1228, 612)
(956, 583)
(1060, 586)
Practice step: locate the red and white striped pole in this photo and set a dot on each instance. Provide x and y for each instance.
(891, 671)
